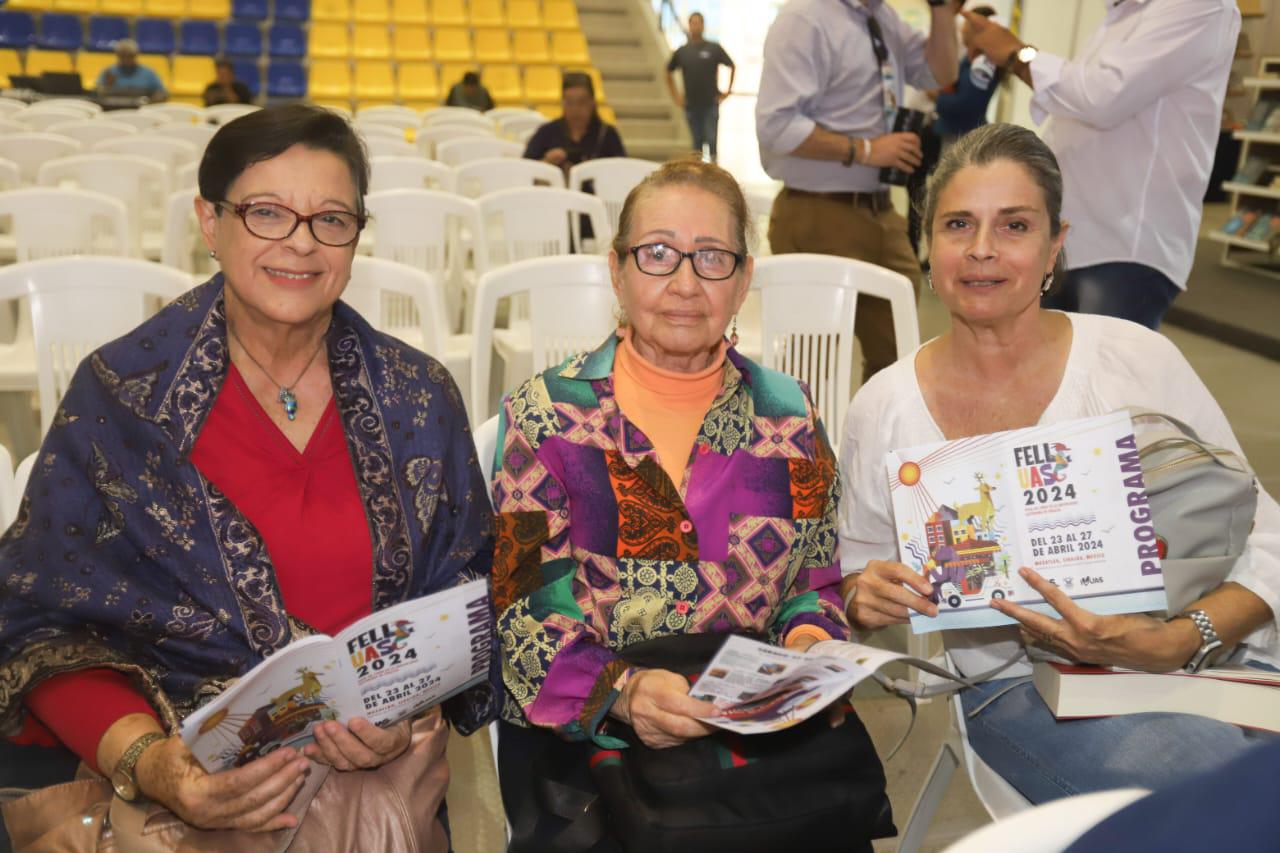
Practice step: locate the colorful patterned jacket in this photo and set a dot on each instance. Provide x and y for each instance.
(597, 549)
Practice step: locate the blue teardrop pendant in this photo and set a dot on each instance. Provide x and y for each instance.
(289, 402)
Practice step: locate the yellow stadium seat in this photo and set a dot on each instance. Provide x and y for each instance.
(330, 40)
(371, 42)
(418, 83)
(493, 46)
(210, 10)
(128, 8)
(10, 63)
(408, 12)
(607, 114)
(531, 46)
(90, 65)
(560, 15)
(449, 13)
(453, 45)
(28, 5)
(370, 12)
(569, 46)
(451, 73)
(164, 8)
(375, 83)
(504, 84)
(191, 74)
(542, 84)
(524, 13)
(159, 63)
(410, 43)
(487, 13)
(330, 78)
(40, 61)
(79, 7)
(549, 111)
(330, 10)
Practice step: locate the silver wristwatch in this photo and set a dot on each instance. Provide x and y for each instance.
(1210, 642)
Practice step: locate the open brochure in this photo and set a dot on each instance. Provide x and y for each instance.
(1066, 499)
(385, 667)
(762, 688)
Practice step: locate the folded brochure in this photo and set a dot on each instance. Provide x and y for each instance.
(385, 667)
(762, 688)
(1066, 499)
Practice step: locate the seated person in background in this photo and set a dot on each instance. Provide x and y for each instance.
(191, 514)
(631, 480)
(127, 77)
(470, 93)
(579, 134)
(226, 89)
(992, 214)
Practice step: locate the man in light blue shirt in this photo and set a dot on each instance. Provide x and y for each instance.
(127, 77)
(832, 79)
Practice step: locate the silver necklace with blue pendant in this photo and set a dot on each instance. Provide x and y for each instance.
(286, 396)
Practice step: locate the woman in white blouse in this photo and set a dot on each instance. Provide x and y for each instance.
(992, 213)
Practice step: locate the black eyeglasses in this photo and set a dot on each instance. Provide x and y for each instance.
(277, 222)
(709, 264)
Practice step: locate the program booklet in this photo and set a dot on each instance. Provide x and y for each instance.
(760, 688)
(1067, 500)
(385, 667)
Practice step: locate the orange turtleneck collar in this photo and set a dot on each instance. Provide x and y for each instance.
(667, 406)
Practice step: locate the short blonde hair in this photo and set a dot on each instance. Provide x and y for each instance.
(689, 172)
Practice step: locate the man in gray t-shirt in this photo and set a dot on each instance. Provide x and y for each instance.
(699, 62)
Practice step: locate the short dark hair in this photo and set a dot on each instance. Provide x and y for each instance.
(471, 78)
(224, 63)
(578, 80)
(698, 15)
(984, 11)
(267, 133)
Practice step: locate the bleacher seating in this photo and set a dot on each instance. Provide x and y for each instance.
(449, 13)
(286, 80)
(10, 63)
(410, 43)
(60, 32)
(452, 44)
(199, 38)
(127, 8)
(154, 35)
(330, 39)
(292, 10)
(408, 12)
(531, 46)
(40, 61)
(375, 84)
(17, 29)
(487, 13)
(242, 39)
(90, 65)
(249, 10)
(371, 12)
(371, 41)
(493, 45)
(287, 41)
(105, 31)
(191, 74)
(248, 74)
(165, 8)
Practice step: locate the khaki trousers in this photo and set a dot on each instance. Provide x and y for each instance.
(827, 226)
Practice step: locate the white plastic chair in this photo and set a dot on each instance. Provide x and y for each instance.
(534, 222)
(10, 175)
(409, 173)
(9, 106)
(197, 134)
(222, 113)
(520, 126)
(8, 500)
(611, 179)
(50, 222)
(808, 305)
(382, 146)
(497, 114)
(187, 176)
(1048, 828)
(40, 120)
(84, 107)
(456, 115)
(21, 475)
(30, 151)
(141, 119)
(7, 127)
(424, 229)
(571, 309)
(78, 304)
(88, 131)
(481, 177)
(409, 304)
(173, 153)
(401, 117)
(371, 129)
(182, 247)
(997, 796)
(429, 136)
(455, 152)
(121, 176)
(176, 113)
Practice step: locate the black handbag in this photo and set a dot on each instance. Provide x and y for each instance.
(809, 784)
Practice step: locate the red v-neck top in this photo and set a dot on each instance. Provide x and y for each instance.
(308, 510)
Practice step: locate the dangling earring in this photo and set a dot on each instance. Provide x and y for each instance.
(733, 333)
(1048, 283)
(928, 276)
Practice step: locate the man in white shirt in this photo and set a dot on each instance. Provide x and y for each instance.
(1134, 123)
(833, 77)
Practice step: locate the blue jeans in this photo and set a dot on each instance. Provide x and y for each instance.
(1122, 289)
(703, 122)
(1045, 758)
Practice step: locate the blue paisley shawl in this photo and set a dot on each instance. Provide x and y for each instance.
(124, 556)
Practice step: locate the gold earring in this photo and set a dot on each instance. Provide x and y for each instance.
(733, 334)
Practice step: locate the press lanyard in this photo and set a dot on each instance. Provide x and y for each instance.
(888, 76)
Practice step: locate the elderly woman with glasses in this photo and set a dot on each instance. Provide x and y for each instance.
(659, 485)
(252, 465)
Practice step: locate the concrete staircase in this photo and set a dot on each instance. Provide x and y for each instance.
(631, 55)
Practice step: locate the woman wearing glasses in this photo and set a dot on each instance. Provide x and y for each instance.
(662, 484)
(253, 464)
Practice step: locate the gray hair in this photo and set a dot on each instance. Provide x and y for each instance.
(126, 46)
(986, 145)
